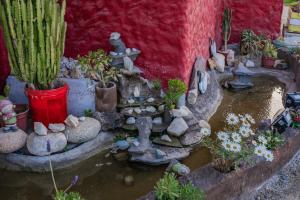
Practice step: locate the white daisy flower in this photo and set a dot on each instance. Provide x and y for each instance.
(260, 150)
(246, 124)
(236, 137)
(254, 142)
(205, 132)
(232, 119)
(250, 118)
(269, 156)
(244, 131)
(262, 139)
(223, 136)
(251, 132)
(227, 145)
(235, 147)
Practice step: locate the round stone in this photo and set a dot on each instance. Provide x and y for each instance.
(12, 141)
(129, 180)
(37, 145)
(85, 131)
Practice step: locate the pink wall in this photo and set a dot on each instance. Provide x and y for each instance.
(170, 33)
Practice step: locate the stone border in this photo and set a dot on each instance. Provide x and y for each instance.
(19, 162)
(240, 183)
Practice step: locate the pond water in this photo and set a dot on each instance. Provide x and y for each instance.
(105, 183)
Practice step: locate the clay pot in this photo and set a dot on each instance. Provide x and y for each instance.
(22, 117)
(106, 97)
(268, 62)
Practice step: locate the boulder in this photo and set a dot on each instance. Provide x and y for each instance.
(12, 141)
(56, 128)
(84, 132)
(177, 127)
(39, 128)
(191, 138)
(37, 145)
(72, 121)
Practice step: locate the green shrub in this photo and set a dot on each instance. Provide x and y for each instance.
(176, 88)
(274, 140)
(156, 84)
(61, 195)
(88, 113)
(167, 188)
(190, 192)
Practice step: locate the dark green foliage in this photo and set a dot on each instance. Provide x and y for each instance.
(176, 88)
(156, 85)
(88, 113)
(120, 137)
(274, 140)
(190, 192)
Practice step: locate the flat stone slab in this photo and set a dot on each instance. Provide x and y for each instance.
(175, 142)
(20, 162)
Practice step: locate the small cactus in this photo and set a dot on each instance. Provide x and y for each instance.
(226, 26)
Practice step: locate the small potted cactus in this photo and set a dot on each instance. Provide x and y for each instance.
(35, 41)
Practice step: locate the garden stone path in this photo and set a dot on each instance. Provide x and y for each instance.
(284, 185)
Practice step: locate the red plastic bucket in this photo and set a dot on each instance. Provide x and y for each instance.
(48, 106)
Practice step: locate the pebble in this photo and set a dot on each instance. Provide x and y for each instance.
(166, 138)
(161, 108)
(137, 110)
(157, 121)
(131, 101)
(107, 155)
(129, 180)
(130, 121)
(150, 100)
(81, 119)
(151, 109)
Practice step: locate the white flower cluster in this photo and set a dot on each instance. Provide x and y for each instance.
(261, 149)
(230, 141)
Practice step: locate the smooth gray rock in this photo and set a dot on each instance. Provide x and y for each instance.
(55, 128)
(85, 131)
(72, 121)
(12, 141)
(181, 112)
(204, 124)
(130, 121)
(166, 138)
(37, 145)
(40, 129)
(191, 138)
(157, 121)
(178, 127)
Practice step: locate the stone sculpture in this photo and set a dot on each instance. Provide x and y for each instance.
(242, 77)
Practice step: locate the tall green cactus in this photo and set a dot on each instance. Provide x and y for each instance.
(226, 26)
(34, 32)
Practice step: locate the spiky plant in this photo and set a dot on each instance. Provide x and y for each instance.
(226, 26)
(34, 32)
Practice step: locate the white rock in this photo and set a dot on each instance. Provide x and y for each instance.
(150, 109)
(40, 129)
(130, 111)
(55, 128)
(150, 100)
(137, 110)
(166, 138)
(161, 108)
(72, 121)
(136, 92)
(204, 124)
(250, 63)
(157, 121)
(81, 119)
(178, 127)
(182, 112)
(130, 120)
(131, 101)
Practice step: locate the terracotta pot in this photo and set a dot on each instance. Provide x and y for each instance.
(268, 62)
(106, 97)
(22, 116)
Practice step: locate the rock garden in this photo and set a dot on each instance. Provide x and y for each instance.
(99, 120)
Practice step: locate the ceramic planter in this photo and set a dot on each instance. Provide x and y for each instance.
(48, 106)
(268, 62)
(106, 97)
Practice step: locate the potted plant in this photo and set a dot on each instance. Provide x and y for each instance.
(35, 41)
(96, 66)
(226, 32)
(237, 144)
(269, 55)
(176, 89)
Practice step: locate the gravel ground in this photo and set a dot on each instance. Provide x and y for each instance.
(285, 185)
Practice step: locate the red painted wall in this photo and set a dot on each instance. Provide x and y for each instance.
(262, 16)
(4, 67)
(170, 33)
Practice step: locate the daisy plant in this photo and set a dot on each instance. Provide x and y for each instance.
(237, 143)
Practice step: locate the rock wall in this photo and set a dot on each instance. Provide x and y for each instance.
(170, 33)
